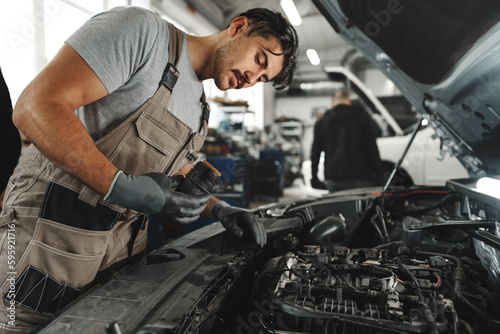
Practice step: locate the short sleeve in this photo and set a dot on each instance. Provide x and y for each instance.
(116, 43)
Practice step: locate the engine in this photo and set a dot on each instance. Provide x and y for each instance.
(419, 260)
(421, 272)
(378, 290)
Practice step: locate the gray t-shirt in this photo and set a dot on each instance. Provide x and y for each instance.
(127, 48)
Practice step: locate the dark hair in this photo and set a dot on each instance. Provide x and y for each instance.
(270, 24)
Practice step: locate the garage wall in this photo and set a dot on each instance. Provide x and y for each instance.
(302, 108)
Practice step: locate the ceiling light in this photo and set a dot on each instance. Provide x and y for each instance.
(489, 186)
(313, 56)
(291, 12)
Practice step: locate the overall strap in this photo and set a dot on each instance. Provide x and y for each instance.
(170, 75)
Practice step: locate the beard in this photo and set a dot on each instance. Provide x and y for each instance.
(221, 64)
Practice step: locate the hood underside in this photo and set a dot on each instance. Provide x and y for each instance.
(444, 57)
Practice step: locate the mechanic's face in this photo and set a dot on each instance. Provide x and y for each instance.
(242, 61)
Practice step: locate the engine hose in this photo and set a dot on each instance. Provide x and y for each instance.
(455, 320)
(392, 243)
(375, 225)
(492, 301)
(427, 310)
(327, 325)
(272, 267)
(346, 282)
(382, 220)
(430, 318)
(447, 199)
(317, 273)
(299, 274)
(475, 264)
(263, 324)
(458, 277)
(348, 258)
(466, 326)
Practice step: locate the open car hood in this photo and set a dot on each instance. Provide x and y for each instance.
(444, 58)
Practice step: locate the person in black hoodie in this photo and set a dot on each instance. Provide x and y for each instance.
(345, 133)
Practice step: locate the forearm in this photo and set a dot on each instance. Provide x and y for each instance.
(45, 114)
(207, 213)
(58, 133)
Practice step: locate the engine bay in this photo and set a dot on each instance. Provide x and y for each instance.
(419, 260)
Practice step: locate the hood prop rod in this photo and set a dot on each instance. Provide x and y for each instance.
(398, 164)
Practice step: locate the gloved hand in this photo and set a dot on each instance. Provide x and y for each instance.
(239, 221)
(152, 193)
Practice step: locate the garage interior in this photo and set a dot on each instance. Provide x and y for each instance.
(259, 138)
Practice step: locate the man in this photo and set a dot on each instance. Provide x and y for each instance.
(113, 117)
(345, 134)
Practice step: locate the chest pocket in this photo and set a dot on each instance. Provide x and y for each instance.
(149, 145)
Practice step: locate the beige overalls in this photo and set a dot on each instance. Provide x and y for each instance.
(57, 234)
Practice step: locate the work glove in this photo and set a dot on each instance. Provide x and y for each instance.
(152, 193)
(239, 222)
(316, 183)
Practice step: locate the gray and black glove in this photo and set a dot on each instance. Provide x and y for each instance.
(152, 193)
(239, 222)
